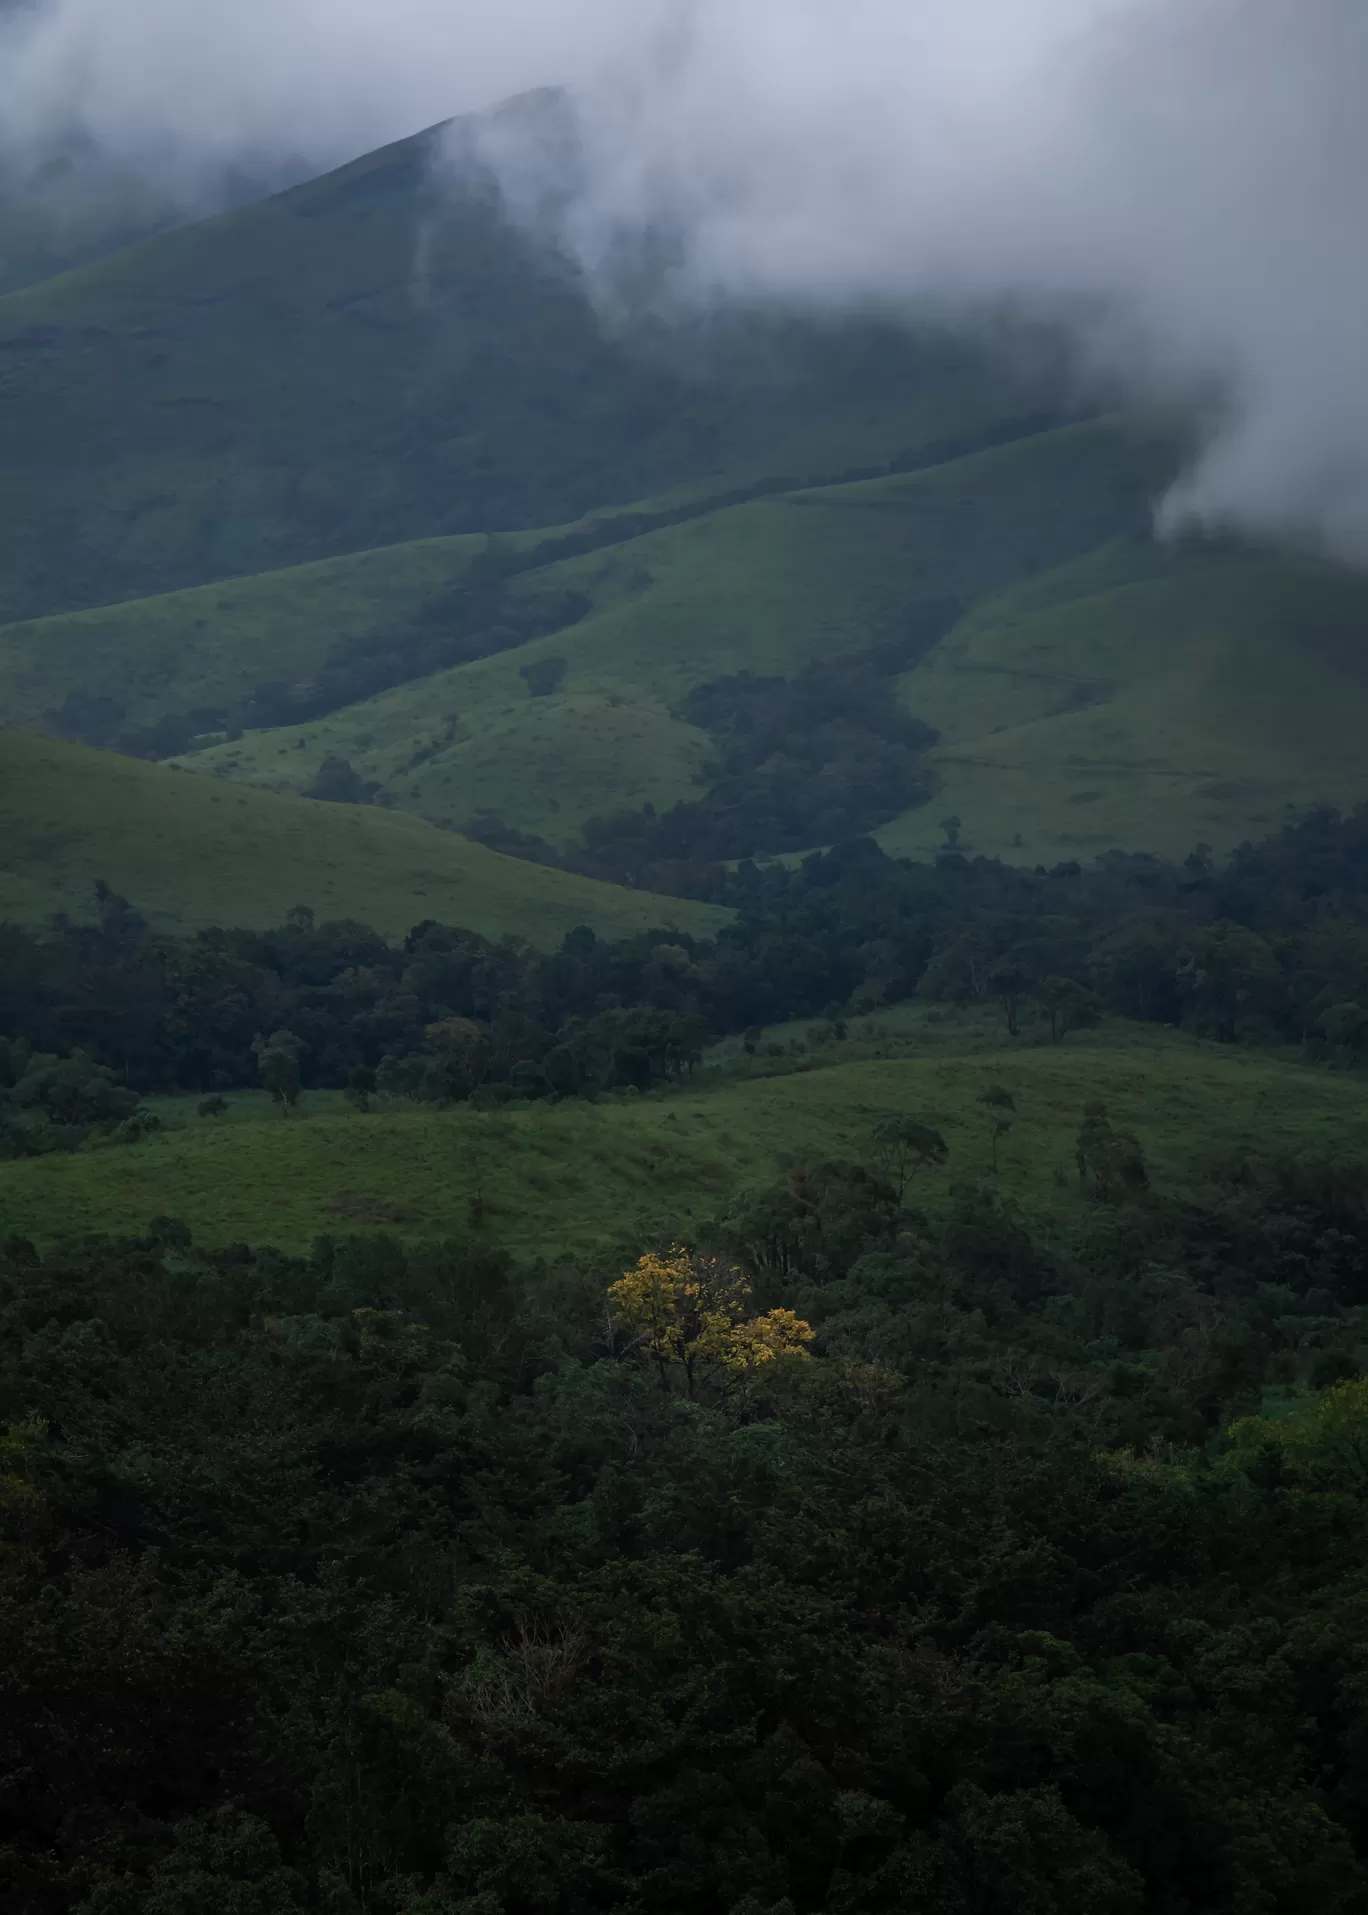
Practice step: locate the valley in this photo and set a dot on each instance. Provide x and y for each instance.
(683, 1142)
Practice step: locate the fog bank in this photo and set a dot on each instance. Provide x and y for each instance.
(1182, 182)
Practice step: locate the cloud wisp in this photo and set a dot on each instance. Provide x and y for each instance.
(1182, 183)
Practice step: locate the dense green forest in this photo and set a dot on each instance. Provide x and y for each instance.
(416, 1582)
(856, 1555)
(1270, 947)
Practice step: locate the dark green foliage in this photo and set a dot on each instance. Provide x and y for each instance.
(50, 1103)
(1110, 1162)
(849, 928)
(362, 1083)
(278, 1059)
(226, 1863)
(1071, 1004)
(903, 1146)
(475, 620)
(87, 720)
(337, 783)
(544, 676)
(478, 618)
(375, 1582)
(817, 1224)
(73, 1090)
(819, 759)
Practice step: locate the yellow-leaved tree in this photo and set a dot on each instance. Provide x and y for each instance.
(691, 1317)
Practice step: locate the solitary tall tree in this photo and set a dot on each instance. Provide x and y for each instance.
(278, 1062)
(903, 1146)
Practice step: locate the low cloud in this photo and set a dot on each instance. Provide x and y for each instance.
(1182, 183)
(198, 88)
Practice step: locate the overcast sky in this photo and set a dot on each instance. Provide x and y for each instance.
(1185, 182)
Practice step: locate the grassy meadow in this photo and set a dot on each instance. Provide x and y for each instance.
(212, 645)
(592, 1179)
(1145, 698)
(765, 587)
(190, 850)
(1099, 691)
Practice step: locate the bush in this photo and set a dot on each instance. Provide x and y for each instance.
(544, 676)
(73, 1091)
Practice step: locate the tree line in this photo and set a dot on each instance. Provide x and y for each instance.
(1270, 947)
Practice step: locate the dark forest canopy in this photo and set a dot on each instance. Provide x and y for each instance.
(1271, 947)
(391, 1582)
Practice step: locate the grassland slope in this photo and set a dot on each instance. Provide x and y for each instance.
(377, 356)
(1147, 698)
(766, 586)
(594, 1178)
(214, 645)
(190, 851)
(1100, 690)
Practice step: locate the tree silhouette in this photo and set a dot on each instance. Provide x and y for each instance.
(1072, 1006)
(903, 1146)
(997, 1102)
(1111, 1161)
(278, 1062)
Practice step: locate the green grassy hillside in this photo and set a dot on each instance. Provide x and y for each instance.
(766, 586)
(212, 645)
(579, 1177)
(189, 850)
(378, 356)
(1135, 696)
(1129, 695)
(245, 447)
(45, 230)
(85, 204)
(1147, 699)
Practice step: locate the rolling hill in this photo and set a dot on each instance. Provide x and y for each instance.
(379, 356)
(767, 586)
(331, 478)
(1138, 695)
(191, 851)
(537, 1473)
(213, 645)
(1146, 698)
(1114, 693)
